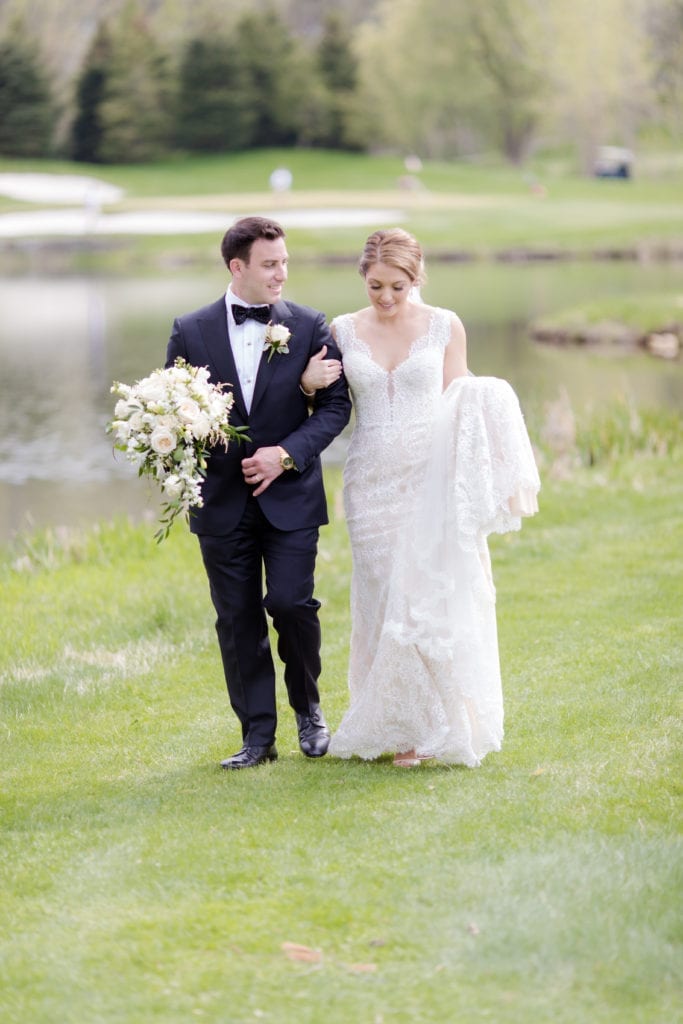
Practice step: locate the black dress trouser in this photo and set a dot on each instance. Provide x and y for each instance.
(236, 565)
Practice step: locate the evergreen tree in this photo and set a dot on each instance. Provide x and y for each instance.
(339, 72)
(335, 55)
(26, 108)
(270, 79)
(212, 113)
(87, 130)
(136, 108)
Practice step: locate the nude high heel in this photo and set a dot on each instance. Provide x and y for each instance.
(406, 760)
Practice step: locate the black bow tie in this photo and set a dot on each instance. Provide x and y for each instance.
(242, 313)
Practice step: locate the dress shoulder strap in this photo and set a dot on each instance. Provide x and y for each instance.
(343, 329)
(440, 328)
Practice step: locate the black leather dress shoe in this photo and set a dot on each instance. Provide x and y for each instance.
(314, 736)
(249, 757)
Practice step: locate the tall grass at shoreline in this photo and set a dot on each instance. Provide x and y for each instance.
(140, 883)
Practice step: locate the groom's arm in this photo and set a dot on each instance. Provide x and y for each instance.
(331, 409)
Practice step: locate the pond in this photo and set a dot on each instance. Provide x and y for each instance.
(63, 340)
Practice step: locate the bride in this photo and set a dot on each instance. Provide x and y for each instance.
(438, 459)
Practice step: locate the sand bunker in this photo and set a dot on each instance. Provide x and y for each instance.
(83, 213)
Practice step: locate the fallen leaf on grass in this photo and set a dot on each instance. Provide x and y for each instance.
(304, 953)
(473, 928)
(362, 968)
(539, 771)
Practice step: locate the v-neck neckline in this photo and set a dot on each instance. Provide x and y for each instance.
(411, 347)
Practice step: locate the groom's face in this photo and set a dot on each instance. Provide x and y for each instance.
(260, 279)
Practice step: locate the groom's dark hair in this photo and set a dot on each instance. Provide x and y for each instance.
(238, 240)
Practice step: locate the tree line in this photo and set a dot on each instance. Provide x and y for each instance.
(133, 102)
(420, 76)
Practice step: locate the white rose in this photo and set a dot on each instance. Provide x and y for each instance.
(188, 410)
(122, 430)
(124, 408)
(151, 389)
(163, 440)
(278, 333)
(166, 420)
(173, 486)
(180, 373)
(201, 426)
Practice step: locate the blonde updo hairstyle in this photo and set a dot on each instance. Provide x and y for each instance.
(397, 249)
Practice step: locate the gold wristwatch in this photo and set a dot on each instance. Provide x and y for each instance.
(286, 460)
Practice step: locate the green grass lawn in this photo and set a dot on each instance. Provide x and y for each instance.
(480, 208)
(141, 883)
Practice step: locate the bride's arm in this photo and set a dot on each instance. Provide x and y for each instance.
(320, 372)
(455, 356)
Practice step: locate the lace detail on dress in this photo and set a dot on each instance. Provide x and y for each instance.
(482, 448)
(427, 477)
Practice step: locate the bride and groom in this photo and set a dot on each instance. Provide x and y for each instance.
(434, 454)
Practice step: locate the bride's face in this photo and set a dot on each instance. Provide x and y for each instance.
(387, 288)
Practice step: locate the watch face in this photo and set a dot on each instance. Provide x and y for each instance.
(286, 461)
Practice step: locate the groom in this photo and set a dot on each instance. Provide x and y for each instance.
(264, 499)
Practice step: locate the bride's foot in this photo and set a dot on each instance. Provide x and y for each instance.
(407, 759)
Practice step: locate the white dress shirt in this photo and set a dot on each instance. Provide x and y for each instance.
(247, 341)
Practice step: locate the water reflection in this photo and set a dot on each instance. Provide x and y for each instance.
(63, 341)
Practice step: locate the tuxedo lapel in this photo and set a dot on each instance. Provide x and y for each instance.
(213, 326)
(269, 368)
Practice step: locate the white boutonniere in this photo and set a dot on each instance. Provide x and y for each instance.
(277, 336)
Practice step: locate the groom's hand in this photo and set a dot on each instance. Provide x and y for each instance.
(261, 468)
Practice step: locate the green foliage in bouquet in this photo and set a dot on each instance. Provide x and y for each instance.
(166, 424)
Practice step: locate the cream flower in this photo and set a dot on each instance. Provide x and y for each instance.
(277, 337)
(173, 486)
(167, 424)
(151, 389)
(163, 440)
(125, 408)
(201, 426)
(188, 410)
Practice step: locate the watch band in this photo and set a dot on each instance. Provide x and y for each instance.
(286, 460)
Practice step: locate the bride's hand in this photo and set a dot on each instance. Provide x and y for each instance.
(320, 372)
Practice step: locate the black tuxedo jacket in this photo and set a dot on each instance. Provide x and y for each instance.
(279, 415)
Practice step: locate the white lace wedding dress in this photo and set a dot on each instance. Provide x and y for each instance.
(429, 474)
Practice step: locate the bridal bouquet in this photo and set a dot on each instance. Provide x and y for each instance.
(165, 424)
